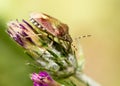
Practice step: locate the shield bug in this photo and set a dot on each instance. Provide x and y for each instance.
(51, 26)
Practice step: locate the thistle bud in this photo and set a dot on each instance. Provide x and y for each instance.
(48, 42)
(51, 52)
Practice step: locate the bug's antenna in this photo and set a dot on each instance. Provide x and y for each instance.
(84, 36)
(74, 47)
(78, 40)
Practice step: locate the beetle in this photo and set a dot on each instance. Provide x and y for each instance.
(51, 25)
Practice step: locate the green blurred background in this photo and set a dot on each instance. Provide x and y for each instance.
(100, 18)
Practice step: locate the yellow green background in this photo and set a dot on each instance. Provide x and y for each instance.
(99, 18)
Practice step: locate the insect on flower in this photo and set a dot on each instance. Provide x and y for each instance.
(59, 59)
(51, 25)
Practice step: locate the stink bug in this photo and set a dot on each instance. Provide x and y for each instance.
(51, 26)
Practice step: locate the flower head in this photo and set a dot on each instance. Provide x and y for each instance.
(48, 42)
(23, 33)
(43, 79)
(50, 50)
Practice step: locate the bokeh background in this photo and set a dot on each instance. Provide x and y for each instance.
(99, 18)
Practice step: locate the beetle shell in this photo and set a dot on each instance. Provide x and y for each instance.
(51, 25)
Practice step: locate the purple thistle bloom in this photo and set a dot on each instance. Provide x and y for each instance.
(43, 79)
(23, 34)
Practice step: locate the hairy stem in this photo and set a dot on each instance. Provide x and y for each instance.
(85, 79)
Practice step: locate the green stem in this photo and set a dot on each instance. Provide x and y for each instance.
(85, 79)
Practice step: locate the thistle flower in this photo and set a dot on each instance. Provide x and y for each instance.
(48, 42)
(51, 51)
(43, 79)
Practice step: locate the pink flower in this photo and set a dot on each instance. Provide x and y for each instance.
(43, 79)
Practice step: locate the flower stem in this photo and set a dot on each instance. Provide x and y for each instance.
(85, 79)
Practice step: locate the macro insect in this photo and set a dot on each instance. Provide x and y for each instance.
(51, 26)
